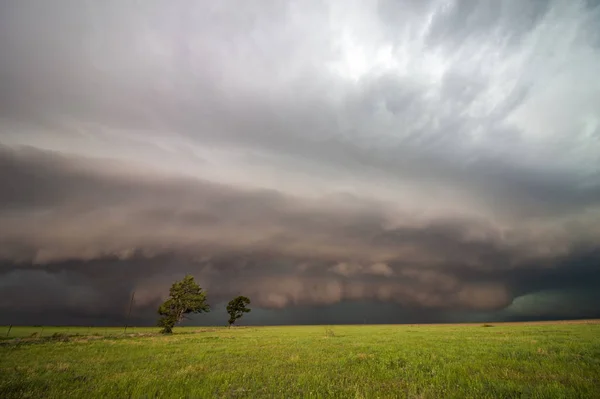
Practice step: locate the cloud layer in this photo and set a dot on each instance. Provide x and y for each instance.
(438, 156)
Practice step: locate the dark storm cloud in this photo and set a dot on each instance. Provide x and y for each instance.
(438, 155)
(93, 235)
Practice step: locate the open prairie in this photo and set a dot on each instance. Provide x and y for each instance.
(534, 360)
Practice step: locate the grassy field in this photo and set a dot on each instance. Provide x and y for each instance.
(415, 361)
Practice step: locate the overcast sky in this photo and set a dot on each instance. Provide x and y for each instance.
(335, 161)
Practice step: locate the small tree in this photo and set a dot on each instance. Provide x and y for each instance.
(237, 307)
(185, 297)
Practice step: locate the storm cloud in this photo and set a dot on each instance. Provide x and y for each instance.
(401, 160)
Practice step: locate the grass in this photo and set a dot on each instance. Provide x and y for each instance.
(425, 361)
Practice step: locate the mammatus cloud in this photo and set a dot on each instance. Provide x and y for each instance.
(441, 156)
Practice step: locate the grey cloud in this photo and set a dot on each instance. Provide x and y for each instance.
(92, 211)
(311, 113)
(272, 246)
(432, 154)
(467, 19)
(350, 269)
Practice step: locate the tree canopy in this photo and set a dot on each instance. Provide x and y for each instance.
(185, 297)
(237, 307)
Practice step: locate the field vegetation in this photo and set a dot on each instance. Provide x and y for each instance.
(546, 360)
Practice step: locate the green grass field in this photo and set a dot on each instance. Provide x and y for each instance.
(415, 361)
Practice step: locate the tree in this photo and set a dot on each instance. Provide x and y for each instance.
(237, 307)
(185, 297)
